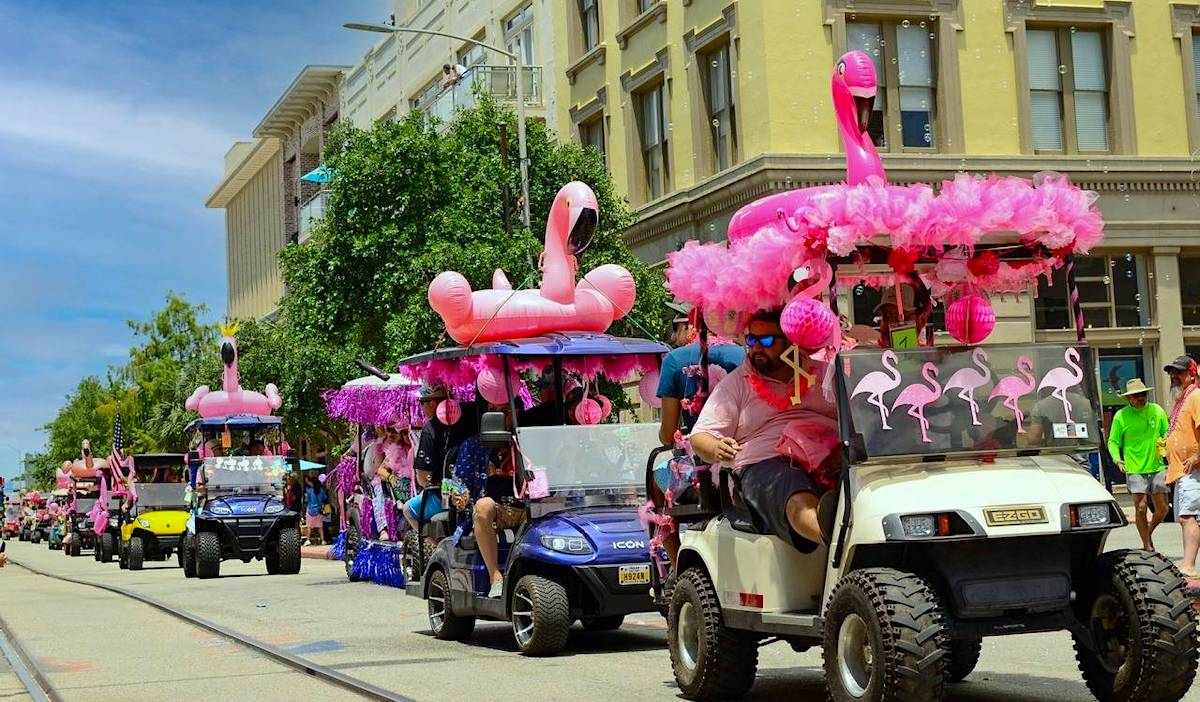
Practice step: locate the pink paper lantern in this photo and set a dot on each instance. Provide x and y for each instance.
(493, 388)
(449, 412)
(588, 411)
(970, 319)
(808, 323)
(648, 389)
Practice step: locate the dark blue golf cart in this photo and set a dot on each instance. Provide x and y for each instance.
(236, 500)
(583, 553)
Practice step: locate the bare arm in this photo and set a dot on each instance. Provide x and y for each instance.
(714, 450)
(671, 409)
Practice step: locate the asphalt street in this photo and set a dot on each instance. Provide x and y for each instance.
(94, 645)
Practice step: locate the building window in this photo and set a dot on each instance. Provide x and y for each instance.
(652, 122)
(1189, 295)
(904, 63)
(1196, 64)
(589, 15)
(643, 5)
(1068, 90)
(718, 90)
(518, 34)
(472, 55)
(591, 136)
(1112, 293)
(426, 96)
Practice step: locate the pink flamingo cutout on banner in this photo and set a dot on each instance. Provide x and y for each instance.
(232, 399)
(918, 396)
(1013, 387)
(967, 380)
(1063, 377)
(876, 384)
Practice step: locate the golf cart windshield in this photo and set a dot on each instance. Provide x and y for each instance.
(934, 403)
(251, 475)
(158, 496)
(83, 505)
(600, 464)
(12, 512)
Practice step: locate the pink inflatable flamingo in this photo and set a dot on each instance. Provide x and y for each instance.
(967, 380)
(604, 295)
(918, 395)
(1063, 377)
(876, 384)
(854, 86)
(1012, 388)
(232, 399)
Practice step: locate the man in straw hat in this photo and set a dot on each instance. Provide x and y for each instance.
(1134, 440)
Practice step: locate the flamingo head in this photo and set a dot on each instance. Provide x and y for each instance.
(228, 345)
(855, 74)
(576, 212)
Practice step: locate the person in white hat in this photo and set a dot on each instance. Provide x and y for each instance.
(1134, 441)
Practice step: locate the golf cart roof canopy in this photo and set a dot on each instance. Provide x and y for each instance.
(246, 421)
(566, 344)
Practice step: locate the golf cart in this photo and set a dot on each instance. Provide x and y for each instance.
(236, 503)
(11, 524)
(80, 534)
(39, 521)
(30, 502)
(158, 516)
(582, 553)
(57, 508)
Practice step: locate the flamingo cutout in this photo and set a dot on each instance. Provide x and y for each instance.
(967, 380)
(605, 294)
(918, 395)
(1012, 388)
(876, 384)
(1063, 377)
(232, 399)
(854, 85)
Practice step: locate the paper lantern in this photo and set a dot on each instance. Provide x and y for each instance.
(727, 324)
(970, 319)
(808, 323)
(648, 389)
(493, 388)
(449, 412)
(588, 411)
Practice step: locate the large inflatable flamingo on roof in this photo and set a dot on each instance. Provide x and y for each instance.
(603, 295)
(232, 399)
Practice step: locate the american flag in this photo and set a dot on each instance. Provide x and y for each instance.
(118, 441)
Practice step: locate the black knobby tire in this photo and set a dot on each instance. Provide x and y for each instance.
(122, 555)
(135, 553)
(964, 656)
(885, 640)
(353, 538)
(187, 555)
(443, 622)
(287, 552)
(1136, 604)
(36, 537)
(710, 660)
(107, 545)
(541, 615)
(609, 623)
(76, 546)
(208, 555)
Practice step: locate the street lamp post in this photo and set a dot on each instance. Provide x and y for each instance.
(521, 147)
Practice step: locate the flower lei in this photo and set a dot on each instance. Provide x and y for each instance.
(764, 391)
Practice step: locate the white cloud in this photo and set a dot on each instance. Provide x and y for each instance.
(128, 132)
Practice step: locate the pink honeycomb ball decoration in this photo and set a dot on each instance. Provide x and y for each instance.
(808, 323)
(648, 389)
(588, 411)
(493, 387)
(605, 407)
(449, 412)
(970, 319)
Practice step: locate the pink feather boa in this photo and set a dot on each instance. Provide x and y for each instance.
(460, 373)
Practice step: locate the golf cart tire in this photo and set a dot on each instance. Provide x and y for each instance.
(353, 539)
(74, 549)
(551, 614)
(287, 553)
(187, 555)
(964, 656)
(609, 623)
(1164, 655)
(208, 555)
(36, 538)
(135, 553)
(453, 627)
(726, 660)
(107, 546)
(901, 620)
(122, 556)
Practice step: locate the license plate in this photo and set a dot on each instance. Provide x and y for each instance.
(1013, 516)
(634, 575)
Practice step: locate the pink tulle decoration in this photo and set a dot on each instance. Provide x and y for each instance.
(449, 412)
(970, 319)
(648, 389)
(808, 323)
(588, 411)
(492, 385)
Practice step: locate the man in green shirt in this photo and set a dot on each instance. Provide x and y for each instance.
(1135, 441)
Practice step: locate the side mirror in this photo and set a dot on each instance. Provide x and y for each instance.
(492, 432)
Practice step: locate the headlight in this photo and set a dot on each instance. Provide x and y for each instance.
(274, 506)
(144, 522)
(919, 525)
(219, 508)
(575, 545)
(1090, 516)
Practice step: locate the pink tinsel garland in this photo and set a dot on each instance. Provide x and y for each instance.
(460, 373)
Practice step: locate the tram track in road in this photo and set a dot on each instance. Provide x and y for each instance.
(33, 676)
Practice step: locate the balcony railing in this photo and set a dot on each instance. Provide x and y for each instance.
(312, 212)
(500, 82)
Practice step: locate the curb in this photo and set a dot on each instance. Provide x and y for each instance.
(315, 552)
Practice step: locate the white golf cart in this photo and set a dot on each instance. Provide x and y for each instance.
(986, 526)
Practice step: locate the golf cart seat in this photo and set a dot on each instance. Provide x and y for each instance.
(827, 512)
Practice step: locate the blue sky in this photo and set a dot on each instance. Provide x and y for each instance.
(114, 119)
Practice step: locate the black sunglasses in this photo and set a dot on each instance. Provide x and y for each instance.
(766, 340)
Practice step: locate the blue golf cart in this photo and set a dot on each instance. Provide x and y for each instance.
(582, 554)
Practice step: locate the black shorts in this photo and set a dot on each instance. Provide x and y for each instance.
(766, 487)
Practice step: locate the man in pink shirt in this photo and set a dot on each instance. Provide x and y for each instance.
(742, 423)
